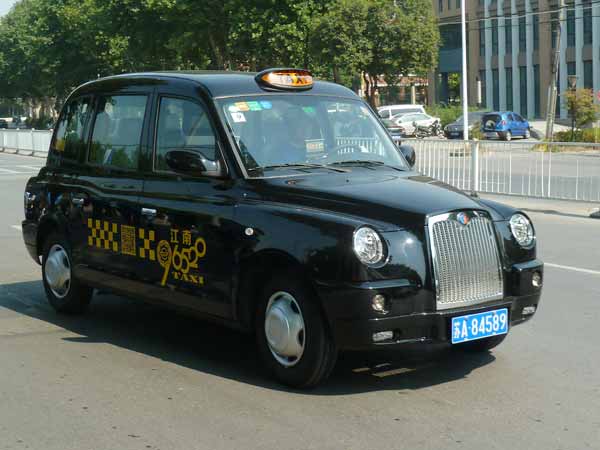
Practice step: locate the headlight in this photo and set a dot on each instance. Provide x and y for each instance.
(368, 245)
(522, 230)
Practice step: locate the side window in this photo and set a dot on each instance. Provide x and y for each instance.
(118, 131)
(69, 140)
(385, 114)
(511, 117)
(183, 124)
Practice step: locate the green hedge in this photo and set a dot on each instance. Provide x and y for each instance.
(591, 135)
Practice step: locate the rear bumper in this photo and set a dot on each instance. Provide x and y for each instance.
(417, 324)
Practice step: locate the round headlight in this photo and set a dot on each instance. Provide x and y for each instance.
(522, 230)
(368, 245)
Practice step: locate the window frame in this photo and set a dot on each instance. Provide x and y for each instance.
(92, 124)
(211, 120)
(85, 135)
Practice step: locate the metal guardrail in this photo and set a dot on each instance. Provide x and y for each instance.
(561, 170)
(26, 142)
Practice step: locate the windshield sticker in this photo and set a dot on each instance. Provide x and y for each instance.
(242, 106)
(254, 106)
(309, 109)
(266, 105)
(238, 117)
(315, 145)
(233, 109)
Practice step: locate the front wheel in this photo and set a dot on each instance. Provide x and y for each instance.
(292, 336)
(64, 292)
(482, 345)
(508, 136)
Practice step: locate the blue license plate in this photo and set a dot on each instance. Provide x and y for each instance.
(479, 326)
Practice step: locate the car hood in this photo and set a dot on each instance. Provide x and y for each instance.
(381, 195)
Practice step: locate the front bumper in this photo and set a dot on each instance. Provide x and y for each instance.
(411, 320)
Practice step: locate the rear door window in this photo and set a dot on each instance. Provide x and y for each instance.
(118, 131)
(69, 140)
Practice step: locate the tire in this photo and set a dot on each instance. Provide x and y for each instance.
(482, 345)
(317, 358)
(508, 136)
(527, 134)
(64, 292)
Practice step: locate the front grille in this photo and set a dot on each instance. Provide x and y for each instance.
(466, 262)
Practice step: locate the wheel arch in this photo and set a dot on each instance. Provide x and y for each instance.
(255, 272)
(46, 227)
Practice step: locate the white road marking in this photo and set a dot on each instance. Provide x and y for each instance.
(8, 171)
(36, 168)
(16, 227)
(574, 269)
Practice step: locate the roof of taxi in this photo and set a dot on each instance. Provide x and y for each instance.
(217, 83)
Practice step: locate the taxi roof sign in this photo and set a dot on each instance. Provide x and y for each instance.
(286, 79)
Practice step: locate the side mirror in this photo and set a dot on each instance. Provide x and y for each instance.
(193, 163)
(409, 154)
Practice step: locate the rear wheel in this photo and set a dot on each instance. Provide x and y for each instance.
(482, 345)
(293, 339)
(527, 134)
(508, 136)
(64, 292)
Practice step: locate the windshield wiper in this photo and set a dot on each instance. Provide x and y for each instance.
(365, 162)
(297, 166)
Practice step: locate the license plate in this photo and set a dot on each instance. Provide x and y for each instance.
(479, 326)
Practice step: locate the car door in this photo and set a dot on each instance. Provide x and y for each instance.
(63, 171)
(110, 183)
(406, 122)
(187, 220)
(517, 125)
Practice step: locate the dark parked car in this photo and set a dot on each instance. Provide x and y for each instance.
(396, 131)
(454, 130)
(276, 205)
(504, 125)
(3, 124)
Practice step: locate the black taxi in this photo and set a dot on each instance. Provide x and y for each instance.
(275, 204)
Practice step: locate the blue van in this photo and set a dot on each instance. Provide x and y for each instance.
(504, 125)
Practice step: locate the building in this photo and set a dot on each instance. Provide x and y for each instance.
(510, 51)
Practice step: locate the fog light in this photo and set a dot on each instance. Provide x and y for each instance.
(383, 336)
(379, 304)
(536, 280)
(528, 310)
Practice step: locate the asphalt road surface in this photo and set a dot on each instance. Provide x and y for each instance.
(132, 376)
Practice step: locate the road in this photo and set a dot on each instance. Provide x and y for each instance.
(133, 376)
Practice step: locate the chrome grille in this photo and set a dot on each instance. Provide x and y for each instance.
(466, 262)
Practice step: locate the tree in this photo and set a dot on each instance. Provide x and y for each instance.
(581, 107)
(404, 39)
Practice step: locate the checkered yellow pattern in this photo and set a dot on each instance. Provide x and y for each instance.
(103, 234)
(145, 250)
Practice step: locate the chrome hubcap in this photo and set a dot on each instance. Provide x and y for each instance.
(284, 329)
(58, 271)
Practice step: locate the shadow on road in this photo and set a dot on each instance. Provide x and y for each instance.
(186, 341)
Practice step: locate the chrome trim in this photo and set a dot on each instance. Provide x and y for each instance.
(467, 268)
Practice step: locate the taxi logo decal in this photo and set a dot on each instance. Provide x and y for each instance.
(178, 256)
(102, 235)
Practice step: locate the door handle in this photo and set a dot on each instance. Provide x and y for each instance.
(149, 212)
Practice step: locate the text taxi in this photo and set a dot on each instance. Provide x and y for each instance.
(275, 204)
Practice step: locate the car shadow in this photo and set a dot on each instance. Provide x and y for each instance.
(189, 342)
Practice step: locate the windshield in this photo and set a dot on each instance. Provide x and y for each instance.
(307, 132)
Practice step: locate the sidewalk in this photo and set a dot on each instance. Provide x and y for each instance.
(562, 207)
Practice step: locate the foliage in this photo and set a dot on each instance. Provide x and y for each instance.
(447, 114)
(581, 107)
(591, 135)
(48, 47)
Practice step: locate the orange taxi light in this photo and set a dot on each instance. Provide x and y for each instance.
(293, 79)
